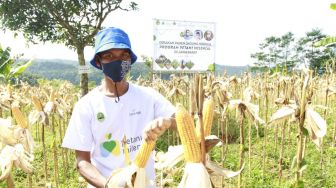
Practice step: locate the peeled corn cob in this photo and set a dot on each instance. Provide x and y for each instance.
(20, 119)
(144, 153)
(37, 103)
(208, 113)
(133, 175)
(186, 129)
(195, 174)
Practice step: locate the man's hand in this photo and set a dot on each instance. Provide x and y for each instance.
(157, 127)
(121, 177)
(87, 170)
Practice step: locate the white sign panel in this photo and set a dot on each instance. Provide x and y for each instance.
(183, 45)
(83, 69)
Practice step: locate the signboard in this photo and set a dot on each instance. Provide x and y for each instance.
(83, 69)
(183, 45)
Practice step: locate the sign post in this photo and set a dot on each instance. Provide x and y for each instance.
(183, 45)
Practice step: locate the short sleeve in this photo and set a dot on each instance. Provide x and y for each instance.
(163, 107)
(78, 135)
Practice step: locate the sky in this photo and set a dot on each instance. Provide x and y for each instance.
(241, 25)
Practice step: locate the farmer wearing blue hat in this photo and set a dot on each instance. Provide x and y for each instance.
(115, 113)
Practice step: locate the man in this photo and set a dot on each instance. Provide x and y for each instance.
(198, 34)
(187, 34)
(115, 113)
(208, 35)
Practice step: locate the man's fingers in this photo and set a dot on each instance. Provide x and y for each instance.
(156, 128)
(150, 137)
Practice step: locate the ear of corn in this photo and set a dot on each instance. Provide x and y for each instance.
(127, 157)
(186, 129)
(19, 118)
(208, 113)
(37, 103)
(133, 175)
(144, 153)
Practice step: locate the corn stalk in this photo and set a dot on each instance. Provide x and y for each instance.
(265, 132)
(241, 132)
(300, 137)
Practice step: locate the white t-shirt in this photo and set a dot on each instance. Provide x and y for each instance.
(98, 124)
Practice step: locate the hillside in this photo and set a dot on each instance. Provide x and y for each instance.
(67, 70)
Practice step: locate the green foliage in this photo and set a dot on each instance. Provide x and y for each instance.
(326, 41)
(287, 52)
(9, 68)
(67, 70)
(333, 6)
(73, 23)
(212, 67)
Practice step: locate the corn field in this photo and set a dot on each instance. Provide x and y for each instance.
(264, 130)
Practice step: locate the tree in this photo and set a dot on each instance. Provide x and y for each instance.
(286, 46)
(269, 55)
(260, 64)
(308, 54)
(271, 45)
(71, 22)
(286, 53)
(8, 68)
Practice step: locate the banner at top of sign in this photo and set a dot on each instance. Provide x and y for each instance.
(183, 45)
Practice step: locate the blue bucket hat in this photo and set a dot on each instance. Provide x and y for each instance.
(110, 38)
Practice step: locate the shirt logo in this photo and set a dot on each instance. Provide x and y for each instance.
(134, 112)
(100, 117)
(110, 146)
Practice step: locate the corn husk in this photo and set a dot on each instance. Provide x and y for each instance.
(123, 177)
(284, 113)
(49, 107)
(249, 94)
(195, 176)
(7, 132)
(252, 110)
(316, 126)
(15, 155)
(174, 155)
(316, 122)
(36, 116)
(217, 170)
(6, 161)
(133, 175)
(169, 159)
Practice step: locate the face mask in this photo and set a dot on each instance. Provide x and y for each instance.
(116, 70)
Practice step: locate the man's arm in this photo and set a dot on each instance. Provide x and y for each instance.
(88, 171)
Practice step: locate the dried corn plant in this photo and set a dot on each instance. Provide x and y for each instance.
(203, 110)
(244, 109)
(196, 173)
(17, 146)
(302, 111)
(50, 111)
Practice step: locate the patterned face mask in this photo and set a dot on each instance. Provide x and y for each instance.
(116, 70)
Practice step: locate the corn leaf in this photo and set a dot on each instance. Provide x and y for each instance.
(316, 122)
(281, 115)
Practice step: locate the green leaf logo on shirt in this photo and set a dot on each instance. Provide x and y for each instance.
(100, 117)
(109, 146)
